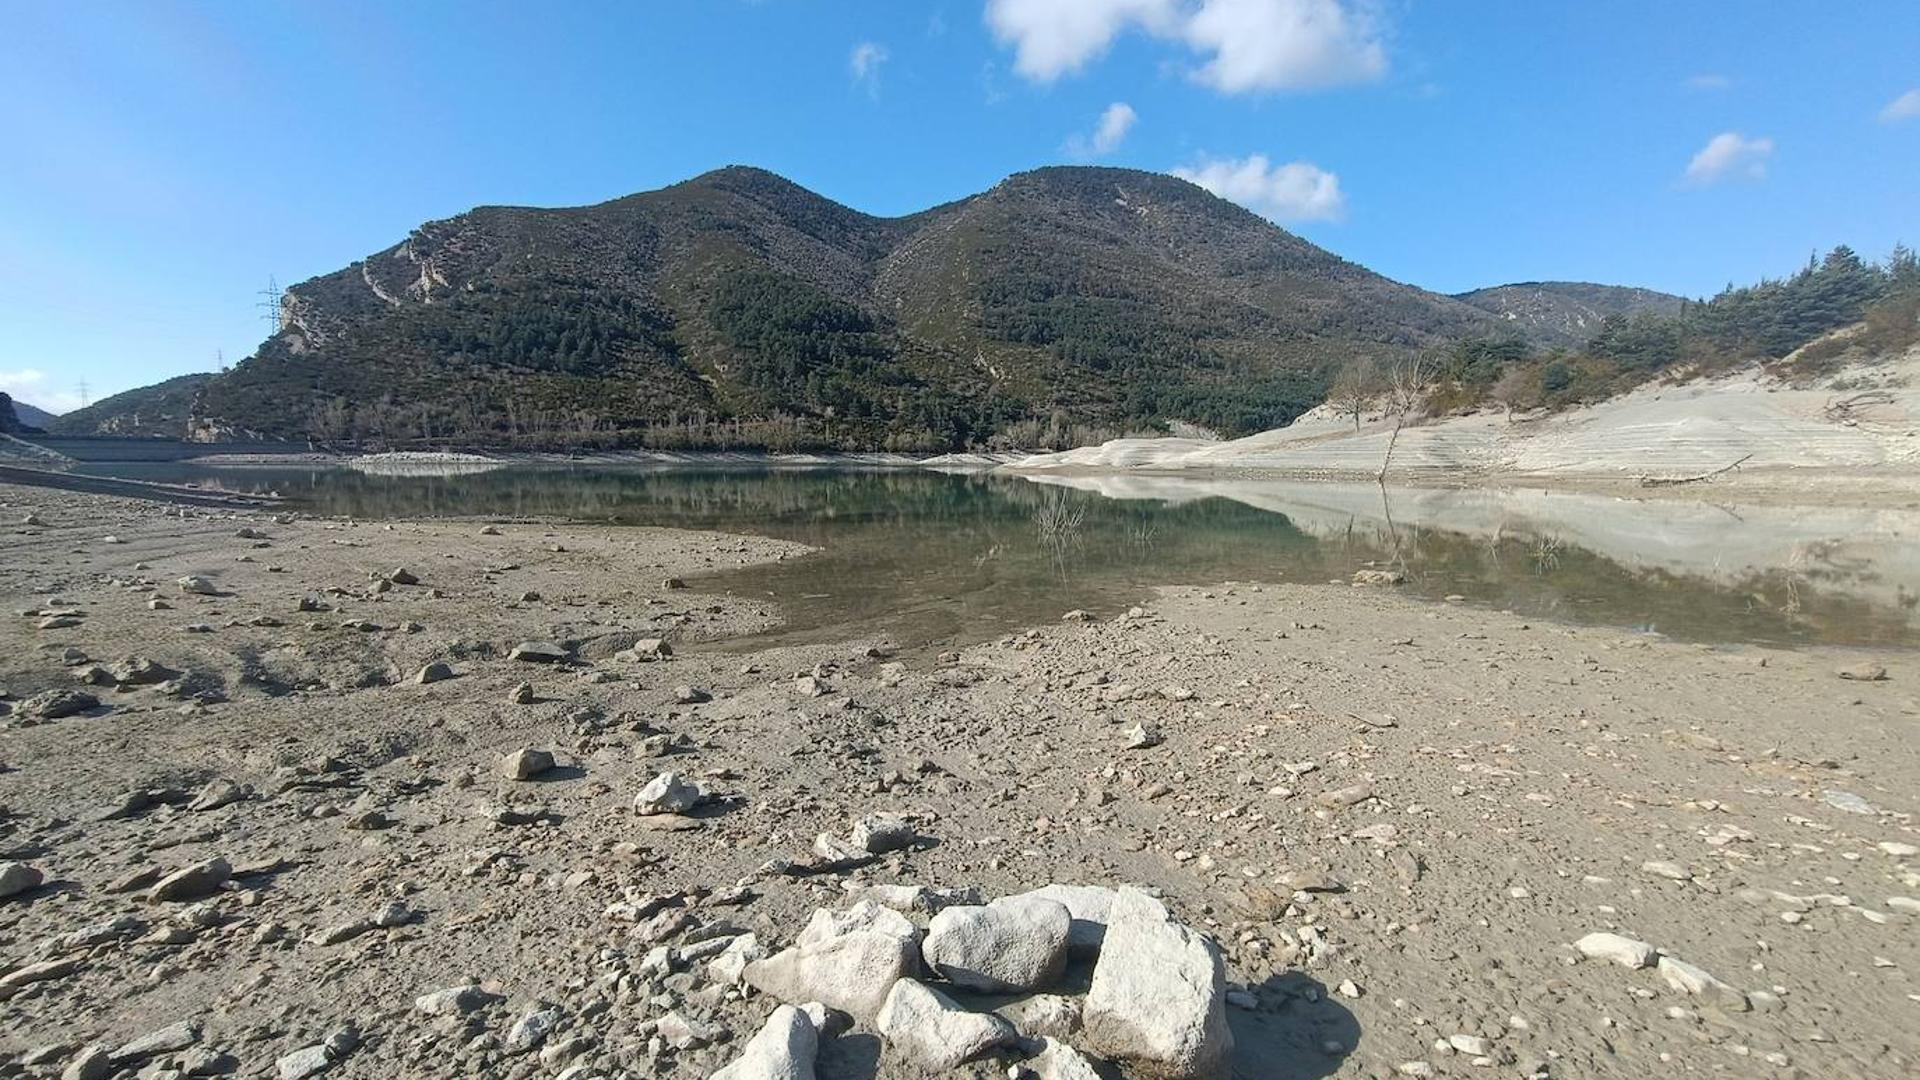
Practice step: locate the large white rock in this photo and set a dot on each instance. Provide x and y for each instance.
(783, 1049)
(928, 1027)
(1088, 904)
(1011, 944)
(670, 793)
(1624, 951)
(845, 960)
(1157, 1003)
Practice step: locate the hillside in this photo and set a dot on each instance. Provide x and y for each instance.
(158, 411)
(1566, 313)
(29, 416)
(739, 309)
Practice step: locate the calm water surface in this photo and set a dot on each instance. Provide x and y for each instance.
(930, 558)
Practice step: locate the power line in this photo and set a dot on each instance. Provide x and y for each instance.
(271, 306)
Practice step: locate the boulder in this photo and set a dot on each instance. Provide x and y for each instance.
(438, 671)
(525, 764)
(453, 1001)
(877, 834)
(18, 877)
(1158, 999)
(1058, 1061)
(1041, 1016)
(58, 704)
(783, 1049)
(842, 961)
(1012, 944)
(217, 793)
(937, 1034)
(1089, 905)
(538, 652)
(175, 1036)
(670, 793)
(198, 586)
(1624, 951)
(192, 882)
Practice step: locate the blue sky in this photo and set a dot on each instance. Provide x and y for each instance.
(159, 160)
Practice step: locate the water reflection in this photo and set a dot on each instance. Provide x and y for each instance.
(928, 557)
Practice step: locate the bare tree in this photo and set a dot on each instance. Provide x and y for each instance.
(1513, 388)
(1408, 381)
(1355, 388)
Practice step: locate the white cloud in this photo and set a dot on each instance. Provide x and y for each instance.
(1729, 154)
(1284, 45)
(1904, 107)
(31, 386)
(865, 63)
(1295, 191)
(1115, 121)
(1247, 45)
(1054, 37)
(1707, 81)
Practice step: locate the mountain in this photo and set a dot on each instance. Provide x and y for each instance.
(1566, 313)
(738, 308)
(29, 416)
(162, 410)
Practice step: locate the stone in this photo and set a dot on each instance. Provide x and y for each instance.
(521, 694)
(197, 586)
(928, 1027)
(1158, 999)
(783, 1049)
(453, 1001)
(877, 834)
(91, 1063)
(403, 576)
(811, 686)
(844, 961)
(1694, 980)
(538, 652)
(58, 704)
(1009, 945)
(1863, 672)
(1143, 736)
(216, 794)
(395, 913)
(1379, 577)
(1906, 905)
(729, 967)
(18, 877)
(531, 1030)
(1848, 801)
(1040, 1016)
(1624, 951)
(648, 650)
(438, 671)
(670, 793)
(140, 671)
(1058, 1061)
(1351, 795)
(1088, 905)
(1666, 869)
(525, 764)
(304, 1062)
(192, 882)
(175, 1036)
(685, 1033)
(690, 695)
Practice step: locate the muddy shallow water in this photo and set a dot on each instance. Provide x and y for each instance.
(932, 558)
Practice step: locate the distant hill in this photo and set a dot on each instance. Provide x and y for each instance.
(29, 416)
(158, 411)
(738, 308)
(1566, 313)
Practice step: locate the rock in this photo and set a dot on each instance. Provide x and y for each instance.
(304, 1062)
(58, 704)
(690, 695)
(1058, 1061)
(1624, 951)
(1862, 672)
(18, 877)
(647, 650)
(91, 1063)
(1039, 1016)
(192, 882)
(395, 913)
(197, 586)
(1158, 999)
(538, 652)
(43, 971)
(1666, 869)
(928, 1027)
(811, 686)
(1088, 905)
(1351, 795)
(864, 917)
(685, 1033)
(1009, 945)
(531, 1030)
(670, 793)
(521, 695)
(453, 1001)
(729, 967)
(1848, 801)
(525, 764)
(1471, 1045)
(1379, 577)
(216, 794)
(176, 1036)
(783, 1049)
(1690, 979)
(438, 671)
(403, 576)
(1143, 736)
(848, 970)
(877, 834)
(140, 671)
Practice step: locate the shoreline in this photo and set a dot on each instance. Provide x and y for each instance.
(1393, 817)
